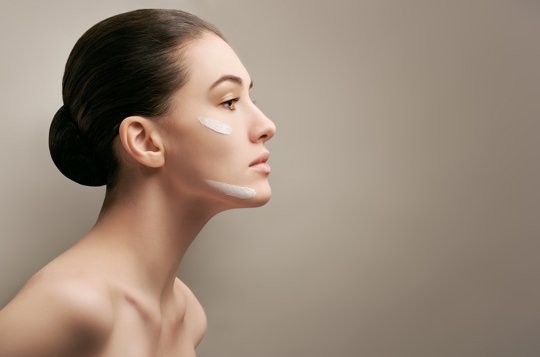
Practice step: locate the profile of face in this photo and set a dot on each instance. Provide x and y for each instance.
(214, 135)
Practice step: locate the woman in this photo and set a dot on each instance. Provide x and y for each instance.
(157, 107)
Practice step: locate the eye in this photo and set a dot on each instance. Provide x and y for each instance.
(230, 104)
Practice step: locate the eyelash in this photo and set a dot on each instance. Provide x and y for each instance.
(230, 103)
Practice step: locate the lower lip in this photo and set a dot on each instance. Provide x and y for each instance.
(262, 167)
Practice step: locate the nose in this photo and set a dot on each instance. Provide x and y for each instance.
(263, 129)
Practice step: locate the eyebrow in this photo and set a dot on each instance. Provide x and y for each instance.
(229, 77)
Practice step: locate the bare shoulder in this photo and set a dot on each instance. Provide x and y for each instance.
(56, 315)
(184, 289)
(195, 316)
(186, 294)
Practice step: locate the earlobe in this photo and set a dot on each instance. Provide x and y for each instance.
(142, 141)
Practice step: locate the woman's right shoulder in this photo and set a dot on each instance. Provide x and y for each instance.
(57, 314)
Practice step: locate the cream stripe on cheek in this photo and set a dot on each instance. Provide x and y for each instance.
(215, 125)
(233, 190)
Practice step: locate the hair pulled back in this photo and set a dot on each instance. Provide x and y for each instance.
(128, 64)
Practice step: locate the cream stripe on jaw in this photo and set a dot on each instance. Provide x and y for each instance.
(233, 190)
(215, 125)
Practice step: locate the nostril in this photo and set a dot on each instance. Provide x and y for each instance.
(264, 137)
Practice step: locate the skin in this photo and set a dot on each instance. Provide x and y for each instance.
(115, 292)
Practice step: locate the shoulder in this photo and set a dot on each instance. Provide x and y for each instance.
(56, 315)
(195, 315)
(186, 295)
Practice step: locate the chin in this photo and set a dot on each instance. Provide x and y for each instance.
(240, 196)
(263, 193)
(261, 198)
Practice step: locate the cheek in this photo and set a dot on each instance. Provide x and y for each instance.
(227, 160)
(212, 148)
(221, 138)
(213, 153)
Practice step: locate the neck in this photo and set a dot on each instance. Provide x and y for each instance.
(146, 235)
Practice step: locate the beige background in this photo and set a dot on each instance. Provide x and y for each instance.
(405, 219)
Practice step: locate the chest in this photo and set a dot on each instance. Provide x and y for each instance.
(137, 334)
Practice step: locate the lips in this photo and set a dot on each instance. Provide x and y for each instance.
(260, 165)
(261, 159)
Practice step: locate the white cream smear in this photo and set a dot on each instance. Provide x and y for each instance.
(233, 190)
(216, 125)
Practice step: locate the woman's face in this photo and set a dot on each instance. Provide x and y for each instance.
(214, 135)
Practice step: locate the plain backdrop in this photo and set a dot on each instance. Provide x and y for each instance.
(405, 219)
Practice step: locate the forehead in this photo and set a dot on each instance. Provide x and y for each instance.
(210, 57)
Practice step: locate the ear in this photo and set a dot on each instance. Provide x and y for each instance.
(142, 141)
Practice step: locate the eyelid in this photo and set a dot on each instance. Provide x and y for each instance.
(233, 101)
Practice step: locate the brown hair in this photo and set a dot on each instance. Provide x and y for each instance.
(128, 64)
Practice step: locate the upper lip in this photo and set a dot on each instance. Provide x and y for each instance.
(261, 158)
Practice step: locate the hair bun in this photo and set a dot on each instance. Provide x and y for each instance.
(70, 152)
